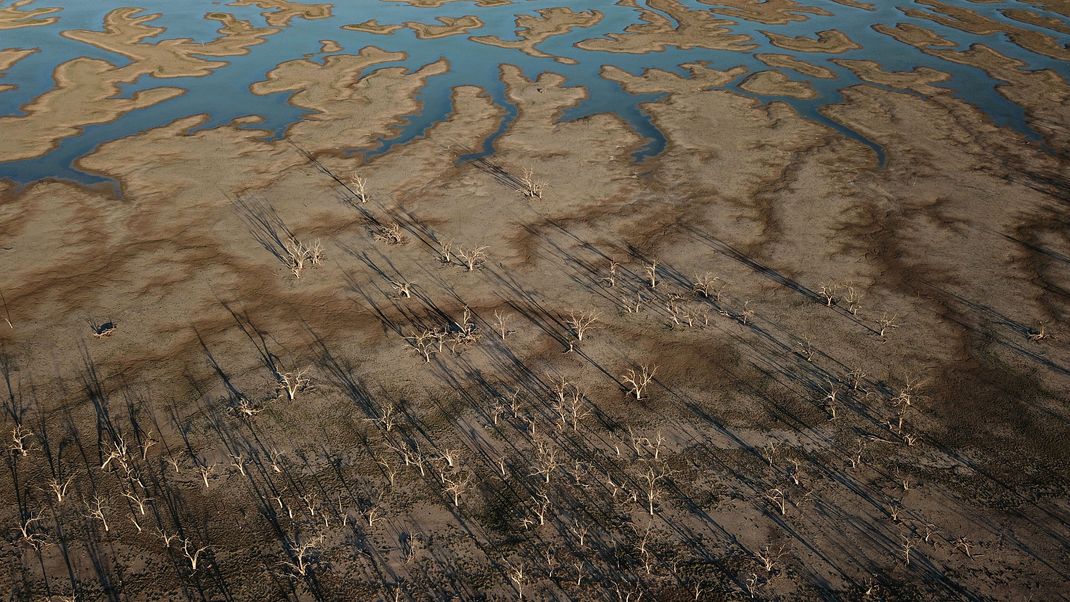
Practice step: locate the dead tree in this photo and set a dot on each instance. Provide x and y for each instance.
(531, 187)
(292, 382)
(472, 258)
(360, 188)
(581, 322)
(303, 554)
(637, 381)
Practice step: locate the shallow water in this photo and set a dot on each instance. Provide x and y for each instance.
(224, 94)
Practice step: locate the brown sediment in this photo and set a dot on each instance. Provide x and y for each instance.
(86, 88)
(438, 3)
(830, 41)
(329, 46)
(11, 17)
(373, 26)
(914, 35)
(770, 12)
(694, 29)
(1056, 6)
(85, 93)
(9, 57)
(966, 20)
(450, 26)
(856, 4)
(533, 30)
(124, 30)
(1042, 93)
(1034, 18)
(279, 13)
(343, 109)
(775, 83)
(786, 61)
(917, 79)
(656, 80)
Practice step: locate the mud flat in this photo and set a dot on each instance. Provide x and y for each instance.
(533, 30)
(758, 364)
(830, 41)
(787, 61)
(775, 83)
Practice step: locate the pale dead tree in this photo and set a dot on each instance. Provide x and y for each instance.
(652, 490)
(238, 462)
(855, 459)
(752, 584)
(192, 554)
(771, 452)
(886, 322)
(388, 418)
(245, 408)
(457, 485)
(656, 443)
(133, 521)
(569, 405)
(855, 378)
(118, 453)
(707, 285)
(472, 258)
(316, 254)
(854, 300)
(444, 249)
(449, 456)
(60, 489)
(965, 545)
(292, 382)
(29, 533)
(579, 530)
(360, 186)
(166, 537)
(390, 470)
(630, 306)
(611, 279)
(769, 557)
(519, 577)
(652, 274)
(1040, 333)
(138, 500)
(542, 507)
(499, 319)
(148, 441)
(501, 467)
(776, 497)
(830, 400)
(403, 288)
(206, 471)
(427, 343)
(930, 531)
(908, 547)
(807, 349)
(546, 461)
(796, 472)
(580, 322)
(532, 188)
(828, 292)
(910, 439)
(275, 460)
(637, 381)
(297, 253)
(175, 463)
(96, 511)
(304, 555)
(311, 503)
(373, 513)
(747, 314)
(391, 235)
(19, 435)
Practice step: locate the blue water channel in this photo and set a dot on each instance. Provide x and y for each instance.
(224, 94)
